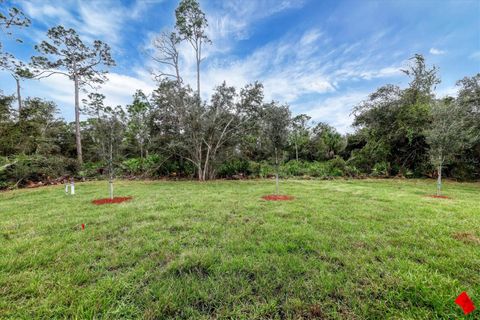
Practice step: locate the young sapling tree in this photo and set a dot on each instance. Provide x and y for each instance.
(276, 124)
(107, 132)
(448, 134)
(138, 128)
(115, 130)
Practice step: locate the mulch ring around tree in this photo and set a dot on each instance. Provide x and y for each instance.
(108, 200)
(277, 197)
(438, 197)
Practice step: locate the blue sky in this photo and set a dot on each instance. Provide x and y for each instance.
(320, 57)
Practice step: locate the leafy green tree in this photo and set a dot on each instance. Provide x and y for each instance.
(108, 131)
(299, 134)
(469, 98)
(9, 131)
(423, 79)
(66, 54)
(191, 24)
(228, 118)
(36, 130)
(39, 126)
(138, 122)
(448, 135)
(393, 120)
(467, 164)
(204, 133)
(95, 128)
(326, 142)
(276, 122)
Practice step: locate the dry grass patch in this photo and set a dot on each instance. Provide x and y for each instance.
(467, 237)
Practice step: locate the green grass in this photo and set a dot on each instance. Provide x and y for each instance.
(359, 249)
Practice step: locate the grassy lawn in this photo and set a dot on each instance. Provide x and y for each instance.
(360, 249)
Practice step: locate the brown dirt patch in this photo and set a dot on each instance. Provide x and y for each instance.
(277, 197)
(108, 200)
(438, 197)
(467, 237)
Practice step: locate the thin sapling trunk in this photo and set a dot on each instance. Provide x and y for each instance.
(276, 172)
(110, 165)
(439, 180)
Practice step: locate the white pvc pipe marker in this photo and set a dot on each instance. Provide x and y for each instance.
(72, 188)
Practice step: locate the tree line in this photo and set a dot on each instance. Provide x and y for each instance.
(172, 131)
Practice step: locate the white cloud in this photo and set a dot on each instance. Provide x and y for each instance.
(291, 67)
(384, 72)
(233, 20)
(437, 52)
(118, 90)
(287, 68)
(336, 111)
(475, 55)
(102, 20)
(447, 92)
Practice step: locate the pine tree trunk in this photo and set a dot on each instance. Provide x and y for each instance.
(78, 138)
(199, 56)
(19, 96)
(198, 78)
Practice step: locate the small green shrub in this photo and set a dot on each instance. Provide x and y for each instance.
(318, 170)
(381, 169)
(261, 169)
(294, 168)
(92, 170)
(234, 167)
(133, 166)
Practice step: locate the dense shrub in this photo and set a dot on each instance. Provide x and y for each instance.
(154, 166)
(92, 170)
(133, 166)
(261, 169)
(294, 168)
(335, 167)
(233, 168)
(21, 169)
(381, 169)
